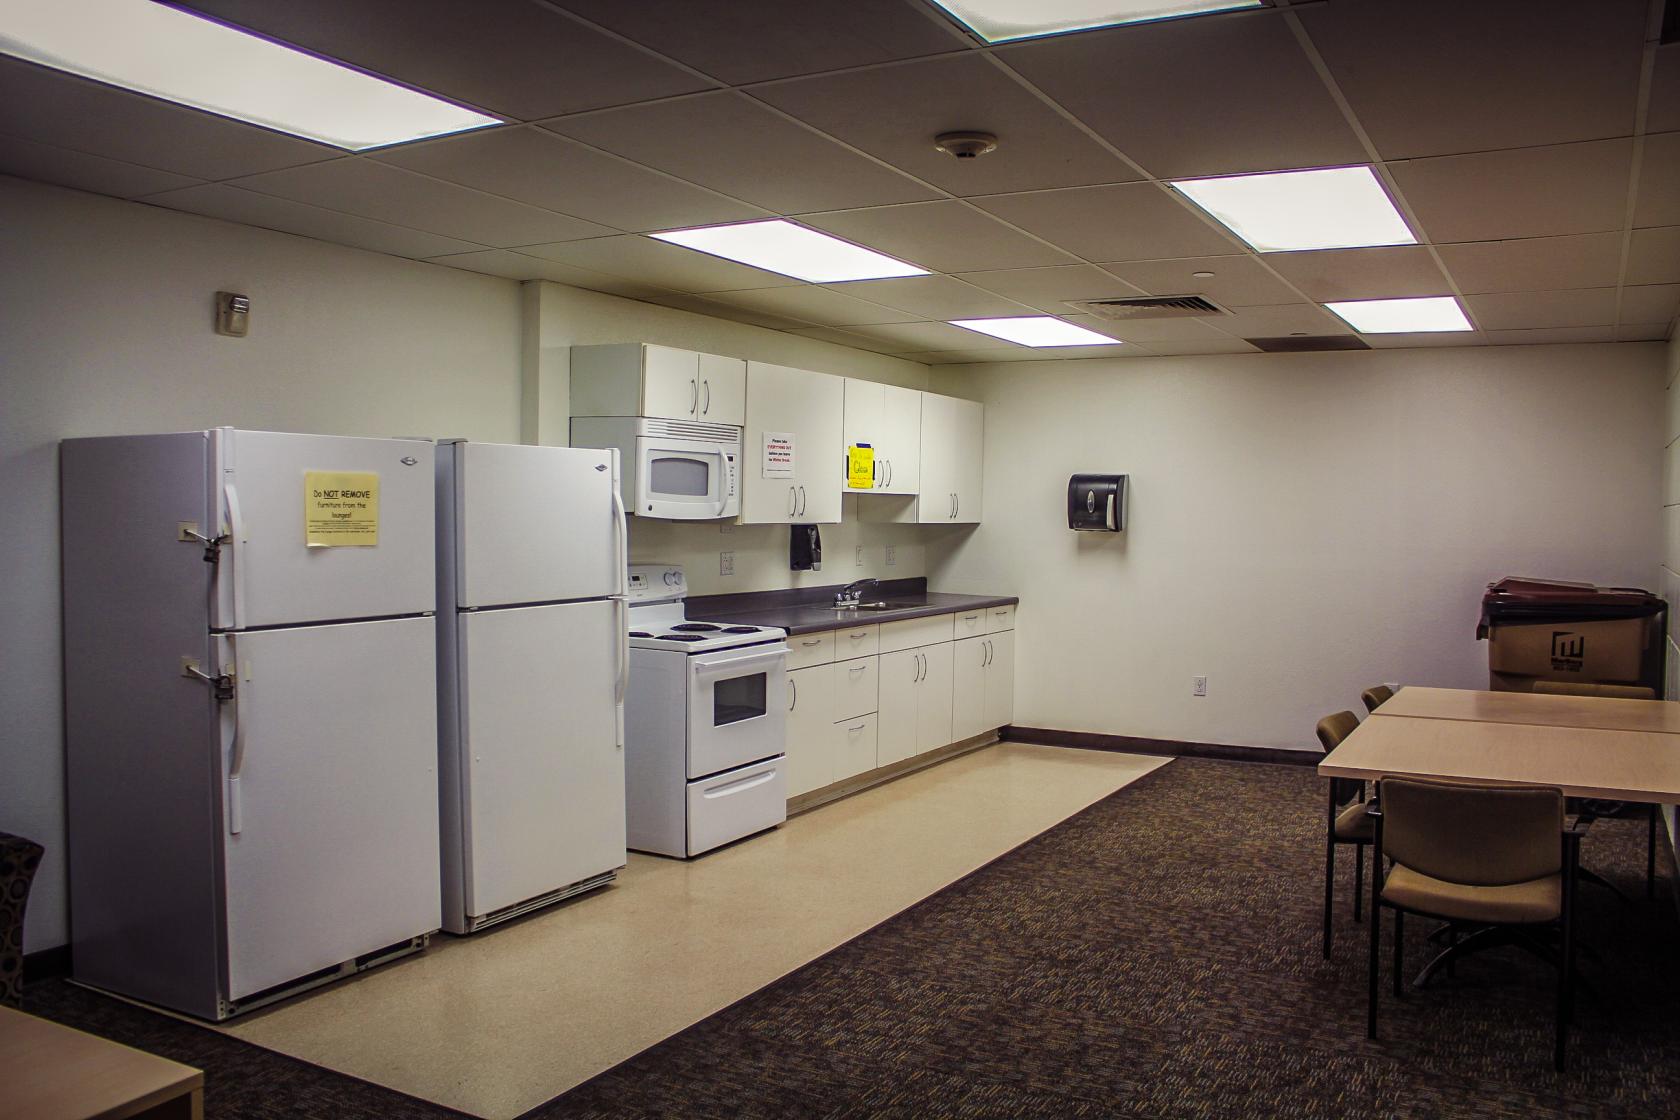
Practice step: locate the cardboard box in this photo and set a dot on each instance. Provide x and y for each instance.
(1599, 652)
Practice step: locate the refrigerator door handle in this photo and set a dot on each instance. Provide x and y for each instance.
(236, 540)
(236, 751)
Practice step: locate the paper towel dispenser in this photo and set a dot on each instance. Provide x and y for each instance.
(1097, 502)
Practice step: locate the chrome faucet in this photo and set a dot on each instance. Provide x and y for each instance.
(852, 594)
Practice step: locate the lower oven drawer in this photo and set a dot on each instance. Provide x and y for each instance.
(736, 803)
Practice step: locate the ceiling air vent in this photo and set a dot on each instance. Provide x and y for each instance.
(1149, 307)
(1306, 343)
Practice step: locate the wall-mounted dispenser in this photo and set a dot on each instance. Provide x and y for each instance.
(1097, 502)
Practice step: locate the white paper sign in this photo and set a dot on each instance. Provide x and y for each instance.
(778, 454)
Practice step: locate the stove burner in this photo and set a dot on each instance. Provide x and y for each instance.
(682, 637)
(640, 634)
(696, 626)
(740, 629)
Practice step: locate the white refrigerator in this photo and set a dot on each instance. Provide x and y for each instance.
(250, 711)
(532, 658)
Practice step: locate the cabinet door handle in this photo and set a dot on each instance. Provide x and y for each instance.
(793, 500)
(956, 503)
(802, 501)
(793, 695)
(889, 472)
(693, 396)
(707, 408)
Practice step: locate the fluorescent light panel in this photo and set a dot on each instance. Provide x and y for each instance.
(167, 53)
(1036, 330)
(1402, 316)
(998, 21)
(1285, 211)
(792, 250)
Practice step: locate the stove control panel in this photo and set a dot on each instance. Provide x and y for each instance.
(656, 581)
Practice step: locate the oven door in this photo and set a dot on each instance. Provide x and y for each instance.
(737, 707)
(685, 479)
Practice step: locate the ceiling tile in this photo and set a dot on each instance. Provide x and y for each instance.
(1201, 346)
(540, 168)
(1048, 288)
(814, 304)
(1392, 270)
(82, 171)
(1195, 96)
(1237, 281)
(757, 40)
(1508, 311)
(1428, 340)
(1152, 331)
(732, 144)
(1642, 332)
(1658, 200)
(1536, 263)
(943, 236)
(1663, 112)
(521, 266)
(1653, 256)
(53, 108)
(1428, 77)
(849, 338)
(512, 57)
(1527, 192)
(1129, 222)
(935, 297)
(894, 113)
(935, 336)
(1280, 321)
(1649, 303)
(218, 200)
(1027, 354)
(659, 263)
(390, 194)
(700, 305)
(1549, 336)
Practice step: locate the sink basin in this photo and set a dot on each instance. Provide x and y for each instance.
(882, 605)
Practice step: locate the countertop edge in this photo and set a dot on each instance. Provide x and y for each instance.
(787, 617)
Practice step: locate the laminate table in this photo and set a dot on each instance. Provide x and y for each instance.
(1535, 709)
(53, 1072)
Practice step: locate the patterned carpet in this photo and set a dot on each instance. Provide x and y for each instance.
(1155, 956)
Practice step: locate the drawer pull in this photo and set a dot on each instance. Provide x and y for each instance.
(859, 727)
(857, 669)
(812, 642)
(859, 635)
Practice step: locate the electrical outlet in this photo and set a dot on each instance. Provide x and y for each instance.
(726, 563)
(892, 556)
(726, 526)
(1198, 686)
(857, 556)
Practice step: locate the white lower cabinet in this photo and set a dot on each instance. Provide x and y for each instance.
(915, 713)
(983, 684)
(810, 729)
(854, 750)
(1000, 681)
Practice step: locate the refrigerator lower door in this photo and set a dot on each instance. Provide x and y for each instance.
(330, 778)
(543, 774)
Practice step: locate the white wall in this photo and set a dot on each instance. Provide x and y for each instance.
(1301, 526)
(571, 316)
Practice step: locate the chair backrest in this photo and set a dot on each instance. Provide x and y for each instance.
(1614, 691)
(1331, 731)
(1376, 696)
(1476, 835)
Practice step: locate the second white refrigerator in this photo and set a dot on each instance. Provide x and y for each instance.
(531, 670)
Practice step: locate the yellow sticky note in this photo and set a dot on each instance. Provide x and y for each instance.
(860, 467)
(340, 509)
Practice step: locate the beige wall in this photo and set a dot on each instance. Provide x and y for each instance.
(1669, 572)
(1302, 526)
(571, 316)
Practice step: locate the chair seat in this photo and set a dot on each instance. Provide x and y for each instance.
(1354, 825)
(1537, 900)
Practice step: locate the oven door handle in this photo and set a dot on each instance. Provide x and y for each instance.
(703, 667)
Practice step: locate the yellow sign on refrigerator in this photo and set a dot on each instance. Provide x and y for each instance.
(340, 509)
(860, 467)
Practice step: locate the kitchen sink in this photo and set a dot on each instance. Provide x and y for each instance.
(883, 605)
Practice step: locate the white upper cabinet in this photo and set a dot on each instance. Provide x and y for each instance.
(640, 379)
(952, 434)
(889, 419)
(801, 414)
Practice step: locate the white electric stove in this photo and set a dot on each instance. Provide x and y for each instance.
(705, 723)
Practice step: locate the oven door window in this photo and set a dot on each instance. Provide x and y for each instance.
(738, 698)
(680, 476)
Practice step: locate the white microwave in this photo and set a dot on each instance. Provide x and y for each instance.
(675, 469)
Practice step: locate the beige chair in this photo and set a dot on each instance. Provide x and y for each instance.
(1614, 692)
(1347, 822)
(1497, 857)
(1376, 696)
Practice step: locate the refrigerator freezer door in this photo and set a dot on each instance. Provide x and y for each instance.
(544, 775)
(536, 524)
(269, 575)
(337, 849)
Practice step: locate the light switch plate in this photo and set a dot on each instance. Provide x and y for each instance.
(858, 556)
(726, 563)
(892, 555)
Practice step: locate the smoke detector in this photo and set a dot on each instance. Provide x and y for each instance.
(966, 145)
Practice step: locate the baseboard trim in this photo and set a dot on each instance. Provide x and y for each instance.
(46, 964)
(1131, 744)
(869, 779)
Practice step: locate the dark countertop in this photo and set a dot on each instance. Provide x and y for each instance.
(806, 610)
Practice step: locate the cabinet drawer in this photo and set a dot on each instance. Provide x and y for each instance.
(856, 687)
(1000, 618)
(857, 641)
(854, 750)
(914, 632)
(970, 624)
(810, 649)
